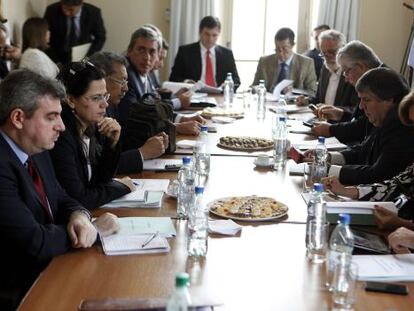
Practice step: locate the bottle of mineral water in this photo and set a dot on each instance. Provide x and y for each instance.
(197, 225)
(320, 160)
(180, 299)
(201, 157)
(341, 246)
(316, 208)
(186, 182)
(228, 90)
(261, 99)
(280, 141)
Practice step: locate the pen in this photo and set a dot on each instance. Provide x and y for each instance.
(152, 237)
(135, 183)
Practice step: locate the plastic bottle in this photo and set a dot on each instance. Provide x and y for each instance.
(186, 180)
(280, 134)
(180, 299)
(316, 208)
(261, 99)
(320, 160)
(197, 225)
(228, 90)
(201, 157)
(341, 246)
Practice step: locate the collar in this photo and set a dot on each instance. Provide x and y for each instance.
(204, 49)
(21, 155)
(288, 61)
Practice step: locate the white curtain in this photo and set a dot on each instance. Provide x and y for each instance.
(341, 15)
(185, 18)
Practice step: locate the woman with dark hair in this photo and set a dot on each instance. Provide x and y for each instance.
(400, 186)
(36, 36)
(86, 155)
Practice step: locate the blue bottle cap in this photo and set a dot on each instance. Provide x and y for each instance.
(186, 160)
(283, 119)
(318, 187)
(204, 128)
(321, 139)
(344, 219)
(199, 189)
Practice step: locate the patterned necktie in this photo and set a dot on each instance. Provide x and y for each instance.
(209, 70)
(40, 189)
(282, 73)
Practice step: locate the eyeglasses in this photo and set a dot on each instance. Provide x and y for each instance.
(76, 67)
(99, 98)
(141, 50)
(328, 53)
(122, 83)
(345, 70)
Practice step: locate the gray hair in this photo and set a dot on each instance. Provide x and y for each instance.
(333, 35)
(356, 51)
(146, 33)
(105, 61)
(23, 89)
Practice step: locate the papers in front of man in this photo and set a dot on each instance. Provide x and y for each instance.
(385, 268)
(331, 143)
(194, 87)
(161, 164)
(148, 193)
(296, 126)
(277, 91)
(79, 51)
(140, 235)
(357, 207)
(186, 144)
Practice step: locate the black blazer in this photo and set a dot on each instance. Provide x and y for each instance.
(28, 239)
(71, 167)
(385, 152)
(346, 96)
(187, 64)
(317, 60)
(92, 30)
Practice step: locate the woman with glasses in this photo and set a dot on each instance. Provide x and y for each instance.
(36, 36)
(86, 154)
(399, 188)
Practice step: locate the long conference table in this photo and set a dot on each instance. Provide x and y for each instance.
(263, 268)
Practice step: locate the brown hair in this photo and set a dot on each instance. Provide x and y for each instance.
(34, 33)
(404, 110)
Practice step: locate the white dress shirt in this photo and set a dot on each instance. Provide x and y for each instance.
(333, 83)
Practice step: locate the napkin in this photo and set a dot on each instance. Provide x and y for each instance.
(224, 227)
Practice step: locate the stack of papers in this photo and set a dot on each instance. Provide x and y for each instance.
(186, 144)
(357, 207)
(385, 268)
(297, 127)
(161, 164)
(224, 227)
(134, 234)
(148, 194)
(331, 144)
(275, 96)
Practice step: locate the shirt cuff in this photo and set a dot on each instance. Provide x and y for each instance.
(176, 103)
(178, 118)
(140, 155)
(334, 170)
(363, 191)
(337, 158)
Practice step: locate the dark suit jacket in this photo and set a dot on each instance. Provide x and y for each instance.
(71, 167)
(385, 152)
(187, 64)
(317, 60)
(28, 239)
(346, 96)
(91, 30)
(130, 161)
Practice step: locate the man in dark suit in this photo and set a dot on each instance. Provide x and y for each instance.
(71, 23)
(114, 66)
(205, 60)
(37, 219)
(315, 53)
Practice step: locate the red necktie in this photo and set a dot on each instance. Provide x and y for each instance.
(40, 189)
(209, 70)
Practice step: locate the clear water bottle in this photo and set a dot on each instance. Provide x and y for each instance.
(197, 225)
(280, 134)
(320, 160)
(180, 299)
(261, 99)
(228, 90)
(316, 208)
(341, 246)
(201, 157)
(186, 182)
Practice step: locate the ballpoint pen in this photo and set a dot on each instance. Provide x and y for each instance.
(152, 237)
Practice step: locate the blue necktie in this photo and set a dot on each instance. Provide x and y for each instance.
(282, 73)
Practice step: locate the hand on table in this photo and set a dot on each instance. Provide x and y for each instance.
(154, 146)
(81, 232)
(401, 239)
(107, 224)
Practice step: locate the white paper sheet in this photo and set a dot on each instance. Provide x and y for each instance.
(357, 207)
(159, 164)
(79, 51)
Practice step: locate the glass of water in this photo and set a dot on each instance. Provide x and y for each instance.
(317, 241)
(202, 168)
(344, 285)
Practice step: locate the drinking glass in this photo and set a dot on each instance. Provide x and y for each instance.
(317, 243)
(344, 285)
